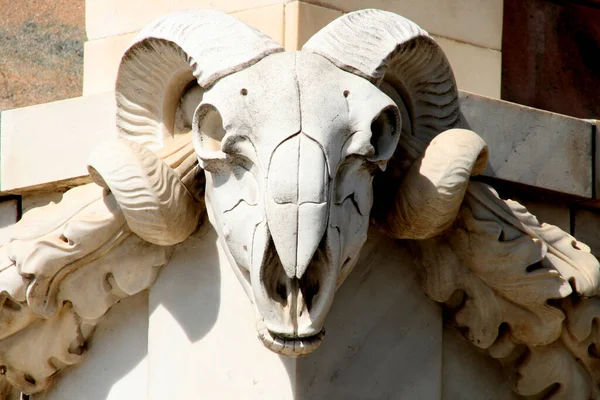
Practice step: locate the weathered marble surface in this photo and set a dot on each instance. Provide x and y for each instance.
(379, 316)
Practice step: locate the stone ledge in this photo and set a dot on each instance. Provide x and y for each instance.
(533, 147)
(514, 133)
(521, 140)
(46, 143)
(302, 20)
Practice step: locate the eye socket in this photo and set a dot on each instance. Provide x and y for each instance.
(208, 133)
(385, 131)
(207, 136)
(208, 127)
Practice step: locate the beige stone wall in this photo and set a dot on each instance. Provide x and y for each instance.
(469, 31)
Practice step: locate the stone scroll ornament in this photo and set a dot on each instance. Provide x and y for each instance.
(292, 156)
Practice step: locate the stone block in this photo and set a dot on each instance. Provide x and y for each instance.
(101, 63)
(586, 228)
(115, 366)
(533, 147)
(383, 334)
(102, 56)
(268, 20)
(471, 21)
(302, 20)
(51, 142)
(228, 6)
(106, 18)
(476, 69)
(9, 212)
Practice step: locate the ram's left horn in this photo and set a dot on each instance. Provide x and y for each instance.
(429, 198)
(156, 204)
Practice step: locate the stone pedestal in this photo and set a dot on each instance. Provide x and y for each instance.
(383, 335)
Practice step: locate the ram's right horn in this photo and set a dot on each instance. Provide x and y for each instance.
(429, 198)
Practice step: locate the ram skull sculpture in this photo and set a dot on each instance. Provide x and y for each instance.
(290, 144)
(293, 156)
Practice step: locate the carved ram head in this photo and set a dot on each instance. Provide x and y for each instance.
(290, 144)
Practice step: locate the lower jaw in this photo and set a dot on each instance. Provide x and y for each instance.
(297, 347)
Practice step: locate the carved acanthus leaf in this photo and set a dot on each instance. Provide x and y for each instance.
(520, 279)
(68, 263)
(564, 253)
(54, 240)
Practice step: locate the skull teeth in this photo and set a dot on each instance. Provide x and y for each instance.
(289, 347)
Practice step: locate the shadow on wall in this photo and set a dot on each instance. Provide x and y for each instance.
(190, 287)
(116, 356)
(383, 335)
(115, 366)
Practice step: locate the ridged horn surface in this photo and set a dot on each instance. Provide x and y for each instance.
(429, 198)
(168, 56)
(408, 65)
(383, 46)
(156, 204)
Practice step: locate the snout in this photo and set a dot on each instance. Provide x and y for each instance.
(295, 280)
(297, 202)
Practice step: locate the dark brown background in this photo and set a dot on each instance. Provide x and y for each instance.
(551, 55)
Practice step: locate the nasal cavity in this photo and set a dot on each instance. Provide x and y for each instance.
(298, 293)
